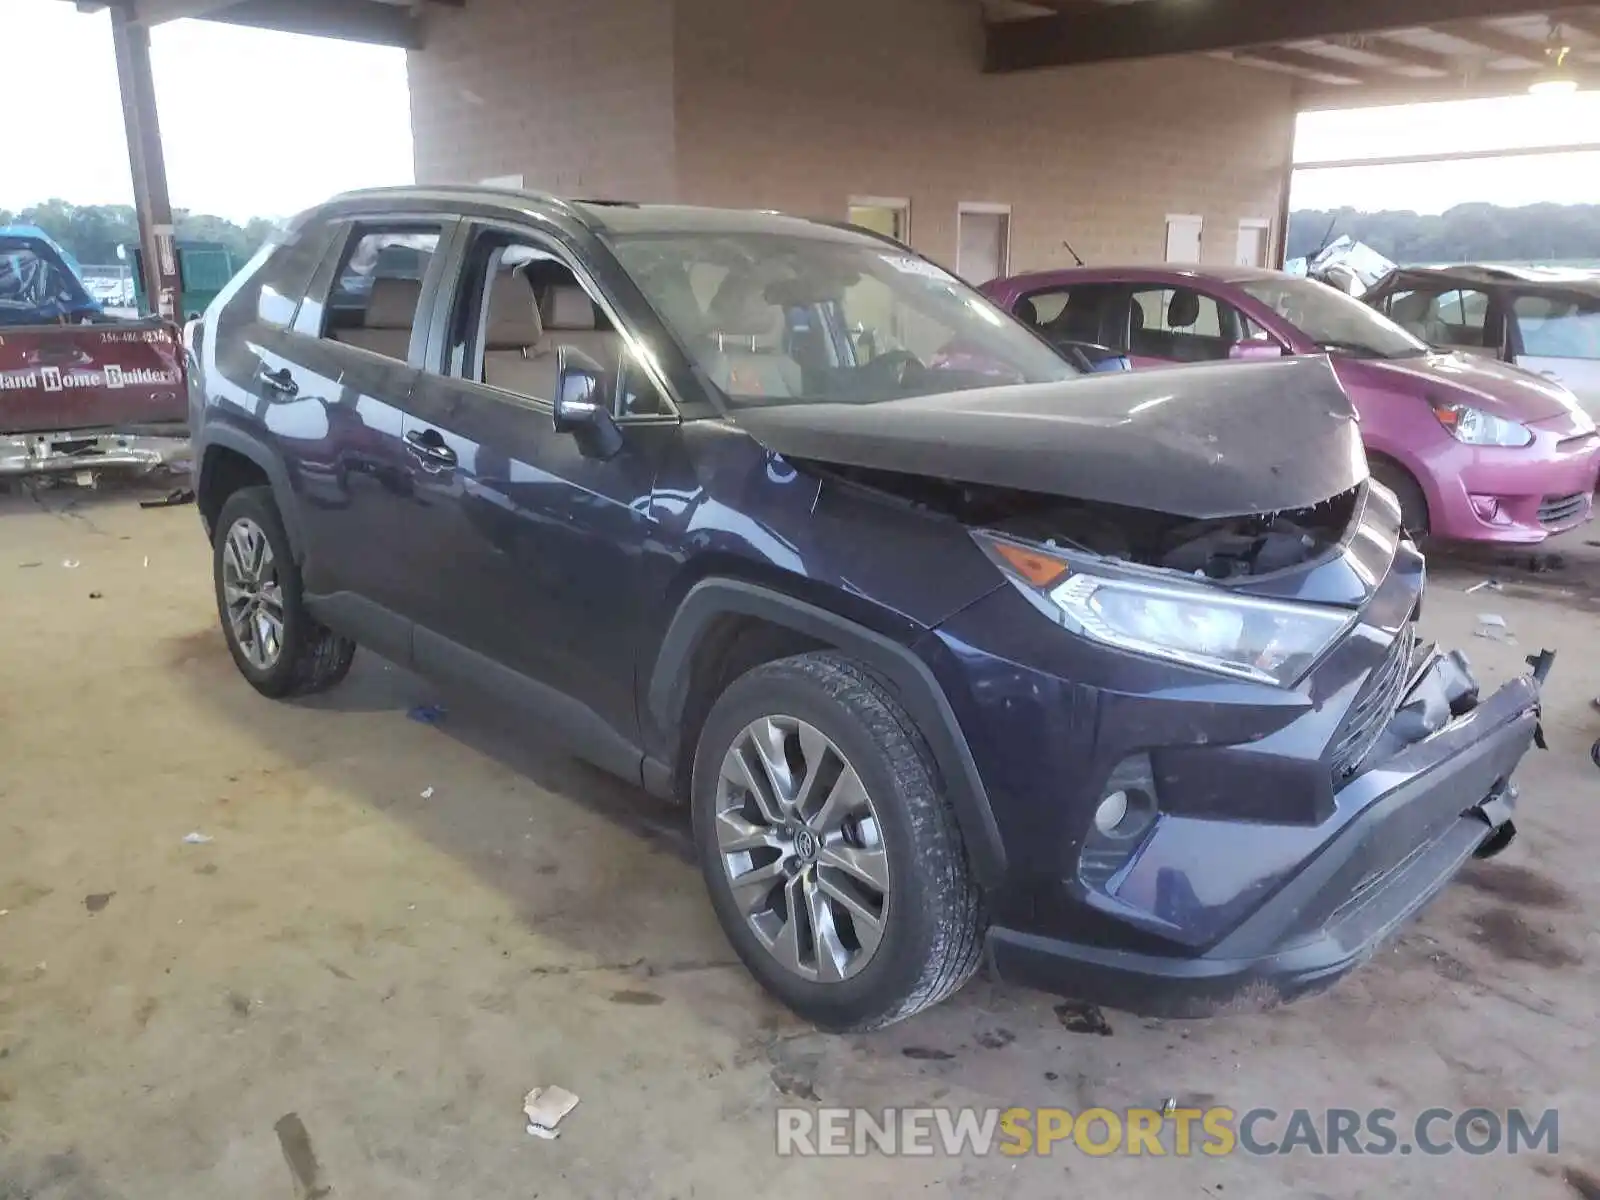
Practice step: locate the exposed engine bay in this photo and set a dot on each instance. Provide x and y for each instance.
(1219, 548)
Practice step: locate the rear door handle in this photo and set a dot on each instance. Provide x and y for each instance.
(279, 381)
(429, 446)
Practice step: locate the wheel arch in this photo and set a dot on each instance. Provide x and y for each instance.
(225, 464)
(717, 612)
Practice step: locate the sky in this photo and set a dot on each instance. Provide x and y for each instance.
(254, 123)
(264, 124)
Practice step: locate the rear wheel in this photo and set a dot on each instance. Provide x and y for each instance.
(832, 857)
(1413, 503)
(276, 644)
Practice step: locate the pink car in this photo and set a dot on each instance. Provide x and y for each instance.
(1476, 450)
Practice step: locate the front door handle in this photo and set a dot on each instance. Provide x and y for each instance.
(430, 447)
(278, 381)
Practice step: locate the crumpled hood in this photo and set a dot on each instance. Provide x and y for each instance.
(1495, 387)
(1218, 440)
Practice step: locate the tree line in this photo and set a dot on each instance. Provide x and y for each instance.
(91, 233)
(1537, 233)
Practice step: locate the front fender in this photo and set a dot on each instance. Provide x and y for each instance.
(667, 691)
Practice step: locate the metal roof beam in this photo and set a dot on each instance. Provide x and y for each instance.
(347, 20)
(1157, 28)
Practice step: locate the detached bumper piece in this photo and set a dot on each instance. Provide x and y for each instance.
(1439, 794)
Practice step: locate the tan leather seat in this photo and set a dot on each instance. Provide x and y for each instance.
(512, 339)
(571, 319)
(391, 310)
(747, 331)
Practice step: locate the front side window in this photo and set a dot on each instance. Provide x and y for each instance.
(795, 318)
(1336, 323)
(378, 288)
(518, 306)
(1457, 318)
(1558, 327)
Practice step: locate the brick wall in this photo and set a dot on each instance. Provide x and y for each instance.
(799, 106)
(574, 95)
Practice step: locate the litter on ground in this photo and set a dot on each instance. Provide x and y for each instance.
(545, 1107)
(428, 714)
(197, 839)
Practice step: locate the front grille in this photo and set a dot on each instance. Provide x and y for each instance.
(1558, 510)
(1373, 709)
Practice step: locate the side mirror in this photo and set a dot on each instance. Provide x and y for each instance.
(1256, 348)
(580, 406)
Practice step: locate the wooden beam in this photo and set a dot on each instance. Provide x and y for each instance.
(1314, 65)
(1485, 85)
(347, 20)
(1583, 20)
(1157, 28)
(1403, 160)
(1404, 52)
(1498, 42)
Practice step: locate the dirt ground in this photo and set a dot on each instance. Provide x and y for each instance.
(397, 966)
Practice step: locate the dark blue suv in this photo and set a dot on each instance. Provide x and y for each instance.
(955, 654)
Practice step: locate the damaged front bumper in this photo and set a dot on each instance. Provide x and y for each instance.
(1439, 793)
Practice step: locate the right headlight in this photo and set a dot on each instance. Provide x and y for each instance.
(1475, 427)
(1269, 641)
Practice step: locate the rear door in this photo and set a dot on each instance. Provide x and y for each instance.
(1558, 336)
(334, 394)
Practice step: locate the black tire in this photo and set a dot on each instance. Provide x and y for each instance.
(933, 929)
(1413, 503)
(313, 658)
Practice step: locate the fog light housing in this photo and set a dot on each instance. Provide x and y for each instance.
(1487, 509)
(1122, 816)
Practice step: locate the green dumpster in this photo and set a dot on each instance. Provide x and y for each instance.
(204, 269)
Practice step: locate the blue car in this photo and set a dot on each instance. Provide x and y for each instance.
(954, 651)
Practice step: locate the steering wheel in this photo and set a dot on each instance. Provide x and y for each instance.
(894, 364)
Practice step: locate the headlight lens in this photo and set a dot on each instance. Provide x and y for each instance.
(1264, 640)
(1478, 428)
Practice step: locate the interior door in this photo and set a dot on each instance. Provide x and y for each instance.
(983, 236)
(1183, 238)
(530, 547)
(1252, 250)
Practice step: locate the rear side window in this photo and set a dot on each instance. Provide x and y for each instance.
(378, 288)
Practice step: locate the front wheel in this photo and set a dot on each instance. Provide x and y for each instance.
(832, 857)
(275, 642)
(1413, 503)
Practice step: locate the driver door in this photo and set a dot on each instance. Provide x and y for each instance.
(533, 548)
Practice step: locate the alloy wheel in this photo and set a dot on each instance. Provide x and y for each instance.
(253, 593)
(803, 849)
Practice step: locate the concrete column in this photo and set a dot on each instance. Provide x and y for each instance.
(131, 39)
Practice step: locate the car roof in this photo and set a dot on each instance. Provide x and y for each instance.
(1147, 272)
(616, 216)
(1495, 275)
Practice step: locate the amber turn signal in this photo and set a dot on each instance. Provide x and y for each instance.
(1041, 570)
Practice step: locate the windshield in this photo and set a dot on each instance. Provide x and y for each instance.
(785, 318)
(1334, 321)
(1553, 327)
(35, 287)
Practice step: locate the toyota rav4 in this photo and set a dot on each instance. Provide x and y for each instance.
(955, 655)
